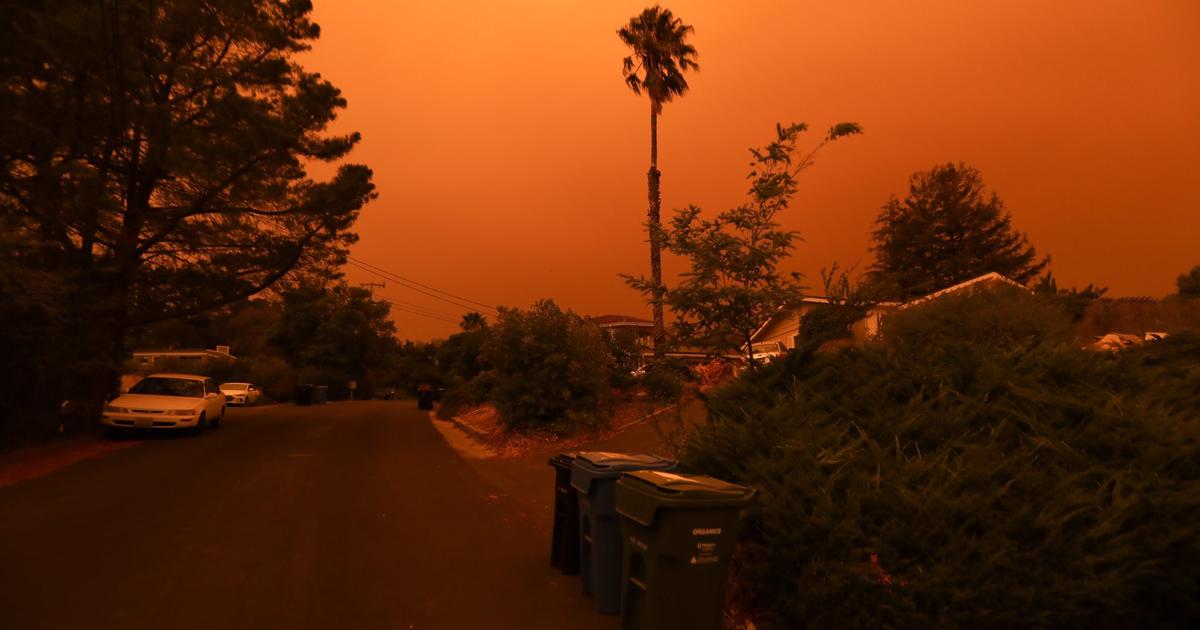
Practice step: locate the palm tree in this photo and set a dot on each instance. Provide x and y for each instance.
(660, 56)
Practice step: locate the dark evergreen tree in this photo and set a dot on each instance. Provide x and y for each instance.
(153, 164)
(947, 230)
(1189, 283)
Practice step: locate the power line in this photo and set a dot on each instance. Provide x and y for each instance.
(398, 278)
(439, 318)
(423, 308)
(387, 275)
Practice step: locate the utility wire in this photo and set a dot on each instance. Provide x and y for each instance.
(403, 309)
(400, 281)
(398, 278)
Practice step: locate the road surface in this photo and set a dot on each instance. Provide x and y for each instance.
(346, 515)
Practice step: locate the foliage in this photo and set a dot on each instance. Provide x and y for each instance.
(625, 353)
(1189, 283)
(333, 335)
(1000, 317)
(848, 303)
(664, 382)
(947, 230)
(460, 356)
(733, 283)
(550, 368)
(154, 165)
(661, 55)
(950, 479)
(1075, 301)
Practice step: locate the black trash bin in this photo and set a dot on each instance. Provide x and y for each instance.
(564, 542)
(320, 394)
(302, 395)
(594, 476)
(679, 532)
(425, 395)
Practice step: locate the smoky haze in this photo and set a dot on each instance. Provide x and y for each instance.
(511, 160)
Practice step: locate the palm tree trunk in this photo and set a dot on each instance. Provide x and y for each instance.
(655, 222)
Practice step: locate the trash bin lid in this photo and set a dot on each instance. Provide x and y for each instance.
(563, 460)
(592, 465)
(640, 494)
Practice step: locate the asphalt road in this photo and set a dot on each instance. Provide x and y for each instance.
(347, 515)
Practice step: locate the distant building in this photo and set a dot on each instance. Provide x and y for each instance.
(182, 357)
(642, 329)
(778, 334)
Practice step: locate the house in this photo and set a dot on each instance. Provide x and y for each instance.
(642, 329)
(778, 334)
(151, 360)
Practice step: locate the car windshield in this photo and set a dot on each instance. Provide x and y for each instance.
(234, 385)
(160, 386)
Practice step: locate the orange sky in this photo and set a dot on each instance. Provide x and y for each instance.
(510, 159)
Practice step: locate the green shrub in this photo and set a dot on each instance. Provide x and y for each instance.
(550, 368)
(473, 392)
(1003, 317)
(995, 484)
(664, 382)
(625, 354)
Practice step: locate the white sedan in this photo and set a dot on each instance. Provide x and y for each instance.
(167, 401)
(241, 393)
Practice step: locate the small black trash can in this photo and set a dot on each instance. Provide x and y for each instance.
(594, 476)
(320, 394)
(679, 533)
(425, 395)
(302, 395)
(564, 542)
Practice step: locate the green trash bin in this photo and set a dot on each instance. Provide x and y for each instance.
(679, 533)
(594, 475)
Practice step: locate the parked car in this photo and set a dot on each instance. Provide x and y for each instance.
(167, 401)
(241, 393)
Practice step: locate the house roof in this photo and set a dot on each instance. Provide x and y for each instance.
(789, 310)
(610, 321)
(987, 277)
(184, 352)
(1133, 299)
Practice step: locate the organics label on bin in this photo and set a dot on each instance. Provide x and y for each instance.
(706, 553)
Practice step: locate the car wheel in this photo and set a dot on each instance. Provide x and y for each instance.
(201, 424)
(217, 421)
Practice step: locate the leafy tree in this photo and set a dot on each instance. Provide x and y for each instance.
(337, 333)
(1189, 283)
(155, 157)
(848, 303)
(661, 56)
(461, 355)
(473, 320)
(550, 368)
(626, 355)
(733, 283)
(947, 230)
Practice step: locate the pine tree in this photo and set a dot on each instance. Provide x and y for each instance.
(947, 230)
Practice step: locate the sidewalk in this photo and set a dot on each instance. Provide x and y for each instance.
(529, 479)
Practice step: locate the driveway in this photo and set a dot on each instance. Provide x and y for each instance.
(346, 515)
